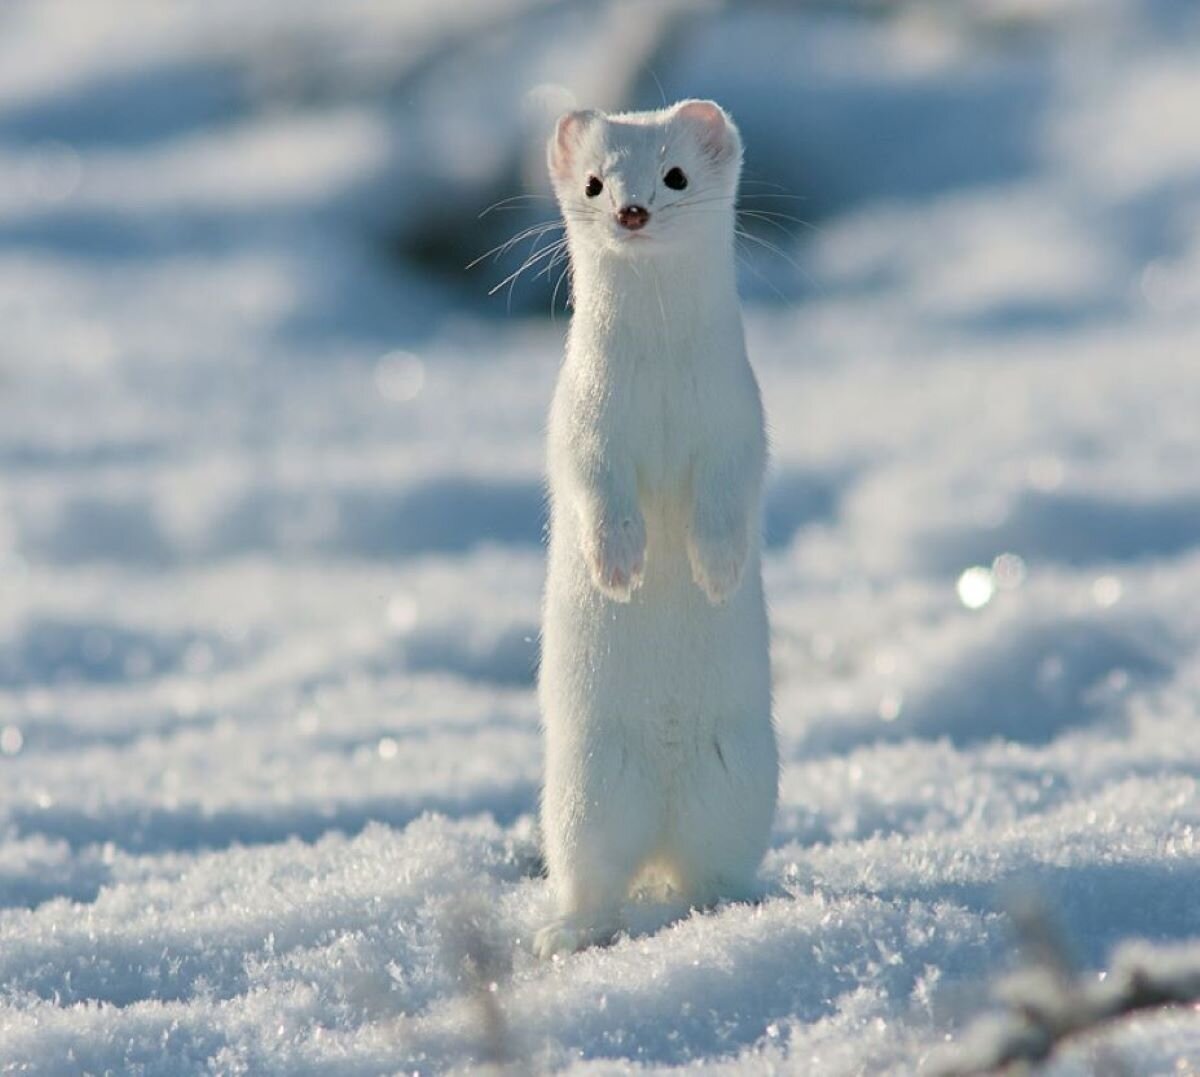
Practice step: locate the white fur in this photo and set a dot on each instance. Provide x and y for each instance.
(655, 678)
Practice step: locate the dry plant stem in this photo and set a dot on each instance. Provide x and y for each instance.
(1037, 1027)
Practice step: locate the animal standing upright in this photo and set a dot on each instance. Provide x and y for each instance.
(655, 677)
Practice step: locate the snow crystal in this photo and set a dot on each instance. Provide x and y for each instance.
(272, 521)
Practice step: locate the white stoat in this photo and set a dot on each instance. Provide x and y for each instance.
(655, 677)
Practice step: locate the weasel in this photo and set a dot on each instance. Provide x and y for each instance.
(655, 683)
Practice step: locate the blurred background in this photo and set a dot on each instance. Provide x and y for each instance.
(233, 235)
(271, 504)
(384, 130)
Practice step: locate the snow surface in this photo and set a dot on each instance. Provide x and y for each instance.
(270, 539)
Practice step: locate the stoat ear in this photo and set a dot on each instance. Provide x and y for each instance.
(565, 141)
(713, 127)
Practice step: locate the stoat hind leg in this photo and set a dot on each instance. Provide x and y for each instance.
(723, 824)
(599, 830)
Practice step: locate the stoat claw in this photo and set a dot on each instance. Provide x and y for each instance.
(717, 563)
(617, 557)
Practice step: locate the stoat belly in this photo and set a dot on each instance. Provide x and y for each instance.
(668, 664)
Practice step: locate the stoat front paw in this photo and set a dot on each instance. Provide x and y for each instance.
(569, 935)
(616, 556)
(717, 561)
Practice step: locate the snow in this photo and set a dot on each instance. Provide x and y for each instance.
(271, 537)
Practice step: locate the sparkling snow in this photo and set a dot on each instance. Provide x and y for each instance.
(271, 538)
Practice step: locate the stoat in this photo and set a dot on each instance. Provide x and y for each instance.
(655, 682)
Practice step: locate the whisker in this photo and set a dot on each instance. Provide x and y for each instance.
(765, 215)
(558, 284)
(775, 194)
(774, 220)
(767, 245)
(534, 230)
(661, 92)
(503, 209)
(783, 192)
(774, 215)
(743, 213)
(685, 203)
(560, 252)
(748, 263)
(532, 260)
(507, 202)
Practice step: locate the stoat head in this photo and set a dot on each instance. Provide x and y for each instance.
(641, 184)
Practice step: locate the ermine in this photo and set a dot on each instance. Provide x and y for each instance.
(655, 682)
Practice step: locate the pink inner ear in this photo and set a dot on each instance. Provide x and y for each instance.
(709, 121)
(566, 138)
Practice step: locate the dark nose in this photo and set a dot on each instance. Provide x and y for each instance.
(633, 217)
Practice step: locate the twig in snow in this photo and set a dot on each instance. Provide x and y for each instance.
(486, 967)
(1048, 1006)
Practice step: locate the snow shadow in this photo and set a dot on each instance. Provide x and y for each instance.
(1074, 529)
(819, 121)
(1040, 315)
(447, 515)
(79, 880)
(54, 733)
(722, 986)
(118, 530)
(193, 932)
(151, 1042)
(122, 971)
(51, 457)
(510, 659)
(1029, 683)
(1092, 906)
(51, 651)
(191, 827)
(143, 235)
(1035, 682)
(408, 736)
(130, 108)
(452, 514)
(796, 498)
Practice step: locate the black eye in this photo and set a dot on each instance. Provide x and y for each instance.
(594, 186)
(675, 179)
